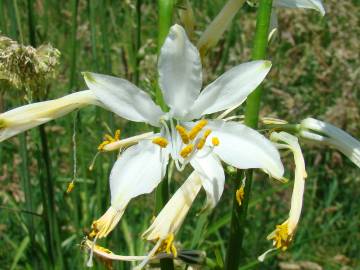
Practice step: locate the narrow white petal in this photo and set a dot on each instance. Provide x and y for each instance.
(211, 173)
(312, 4)
(173, 214)
(332, 136)
(231, 88)
(244, 148)
(137, 171)
(124, 98)
(180, 76)
(300, 176)
(26, 117)
(218, 26)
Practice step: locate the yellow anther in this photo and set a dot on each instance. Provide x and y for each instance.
(160, 141)
(102, 249)
(70, 187)
(169, 242)
(168, 246)
(183, 134)
(197, 128)
(202, 141)
(281, 237)
(240, 195)
(215, 141)
(186, 151)
(117, 135)
(109, 139)
(92, 234)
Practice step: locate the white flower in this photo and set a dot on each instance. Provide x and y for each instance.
(328, 134)
(23, 118)
(201, 143)
(307, 4)
(283, 235)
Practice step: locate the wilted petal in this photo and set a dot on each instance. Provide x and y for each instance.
(300, 176)
(230, 89)
(211, 172)
(245, 148)
(312, 4)
(124, 98)
(180, 76)
(26, 117)
(218, 26)
(328, 134)
(173, 214)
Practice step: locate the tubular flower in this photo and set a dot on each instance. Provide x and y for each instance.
(171, 217)
(283, 235)
(23, 118)
(196, 141)
(307, 4)
(319, 131)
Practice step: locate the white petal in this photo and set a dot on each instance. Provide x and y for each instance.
(217, 27)
(124, 98)
(137, 171)
(330, 135)
(313, 4)
(300, 176)
(211, 173)
(35, 114)
(180, 76)
(245, 148)
(174, 212)
(273, 23)
(231, 88)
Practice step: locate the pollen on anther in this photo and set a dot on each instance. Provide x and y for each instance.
(215, 141)
(183, 134)
(186, 151)
(197, 128)
(202, 141)
(160, 141)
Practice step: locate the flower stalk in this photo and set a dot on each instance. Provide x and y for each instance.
(165, 9)
(238, 219)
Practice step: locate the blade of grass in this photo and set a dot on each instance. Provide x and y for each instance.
(20, 252)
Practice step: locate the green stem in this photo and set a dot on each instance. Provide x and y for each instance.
(50, 217)
(74, 12)
(137, 41)
(238, 219)
(165, 9)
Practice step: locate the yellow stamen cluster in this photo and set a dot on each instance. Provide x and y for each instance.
(108, 139)
(183, 134)
(70, 187)
(186, 151)
(202, 140)
(197, 128)
(281, 237)
(240, 195)
(215, 141)
(160, 141)
(168, 246)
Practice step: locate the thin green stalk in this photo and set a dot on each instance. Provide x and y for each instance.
(74, 12)
(46, 180)
(137, 41)
(238, 219)
(165, 10)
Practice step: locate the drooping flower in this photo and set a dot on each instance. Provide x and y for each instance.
(185, 134)
(327, 134)
(168, 222)
(307, 4)
(284, 233)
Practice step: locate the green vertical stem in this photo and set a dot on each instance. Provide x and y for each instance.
(165, 11)
(74, 12)
(238, 219)
(48, 183)
(137, 41)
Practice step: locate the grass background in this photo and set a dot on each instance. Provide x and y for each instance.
(315, 73)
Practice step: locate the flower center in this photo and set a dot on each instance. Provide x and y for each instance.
(109, 139)
(167, 246)
(281, 237)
